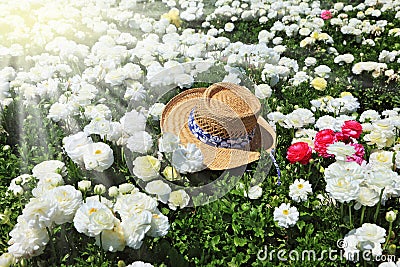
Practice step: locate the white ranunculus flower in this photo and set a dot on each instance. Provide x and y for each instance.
(135, 228)
(74, 145)
(325, 122)
(99, 126)
(140, 264)
(156, 110)
(367, 197)
(341, 150)
(112, 240)
(179, 199)
(67, 199)
(98, 156)
(140, 142)
(263, 91)
(285, 215)
(168, 142)
(99, 220)
(159, 225)
(59, 111)
(343, 189)
(115, 77)
(7, 259)
(23, 247)
(254, 192)
(133, 121)
(39, 212)
(49, 166)
(381, 159)
(146, 167)
(86, 220)
(188, 160)
(229, 27)
(344, 169)
(130, 204)
(371, 232)
(159, 188)
(299, 190)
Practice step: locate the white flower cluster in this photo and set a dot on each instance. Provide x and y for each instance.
(298, 118)
(139, 217)
(348, 181)
(53, 204)
(346, 104)
(368, 237)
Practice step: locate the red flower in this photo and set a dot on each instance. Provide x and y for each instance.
(326, 14)
(299, 152)
(352, 129)
(341, 137)
(322, 139)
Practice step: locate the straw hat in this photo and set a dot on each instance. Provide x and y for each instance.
(223, 121)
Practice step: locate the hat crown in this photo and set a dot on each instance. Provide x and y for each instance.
(227, 110)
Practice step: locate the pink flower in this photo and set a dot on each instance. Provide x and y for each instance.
(355, 158)
(326, 14)
(359, 155)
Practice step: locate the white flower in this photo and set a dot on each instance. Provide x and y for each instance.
(340, 150)
(159, 225)
(325, 122)
(115, 77)
(133, 121)
(67, 199)
(254, 192)
(99, 126)
(381, 159)
(179, 199)
(74, 145)
(139, 264)
(49, 166)
(299, 190)
(98, 156)
(39, 212)
(371, 232)
(310, 61)
(140, 142)
(229, 27)
(285, 215)
(93, 217)
(135, 91)
(146, 167)
(156, 110)
(7, 259)
(367, 197)
(189, 159)
(23, 247)
(322, 71)
(131, 204)
(59, 111)
(168, 142)
(263, 91)
(135, 228)
(159, 188)
(112, 240)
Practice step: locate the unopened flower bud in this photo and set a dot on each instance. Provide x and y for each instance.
(6, 148)
(171, 173)
(392, 249)
(84, 185)
(99, 189)
(121, 263)
(390, 216)
(113, 191)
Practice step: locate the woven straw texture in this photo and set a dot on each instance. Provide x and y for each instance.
(175, 120)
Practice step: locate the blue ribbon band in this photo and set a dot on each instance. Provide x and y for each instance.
(217, 141)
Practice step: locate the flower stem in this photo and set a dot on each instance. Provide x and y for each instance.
(389, 234)
(53, 249)
(350, 217)
(378, 207)
(362, 214)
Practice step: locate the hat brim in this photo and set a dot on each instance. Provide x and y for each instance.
(174, 119)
